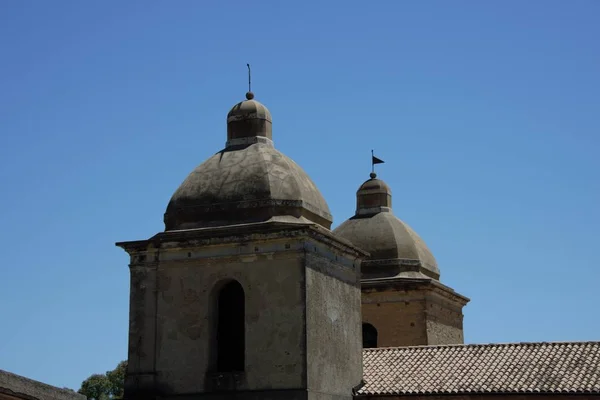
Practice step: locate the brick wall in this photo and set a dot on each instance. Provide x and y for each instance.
(398, 323)
(413, 315)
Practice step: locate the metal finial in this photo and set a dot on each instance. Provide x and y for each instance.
(372, 163)
(249, 79)
(249, 95)
(373, 175)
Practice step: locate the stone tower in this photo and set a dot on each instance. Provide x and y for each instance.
(403, 301)
(246, 292)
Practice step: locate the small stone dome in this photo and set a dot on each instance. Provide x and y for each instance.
(248, 181)
(248, 119)
(395, 249)
(373, 196)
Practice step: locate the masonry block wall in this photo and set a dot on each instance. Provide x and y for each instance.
(301, 314)
(333, 337)
(444, 321)
(398, 322)
(413, 313)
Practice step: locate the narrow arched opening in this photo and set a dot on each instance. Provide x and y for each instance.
(231, 338)
(369, 334)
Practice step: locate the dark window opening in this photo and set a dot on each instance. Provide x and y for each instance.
(231, 328)
(369, 336)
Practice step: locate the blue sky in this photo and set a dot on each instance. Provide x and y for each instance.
(486, 114)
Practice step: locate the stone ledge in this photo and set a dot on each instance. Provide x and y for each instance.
(409, 284)
(242, 233)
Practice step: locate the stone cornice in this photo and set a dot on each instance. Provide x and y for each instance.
(241, 234)
(405, 284)
(378, 269)
(244, 141)
(392, 262)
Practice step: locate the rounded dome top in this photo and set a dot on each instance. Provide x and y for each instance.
(249, 181)
(374, 184)
(373, 196)
(248, 119)
(395, 249)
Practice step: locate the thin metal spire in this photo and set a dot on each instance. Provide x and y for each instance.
(249, 79)
(372, 163)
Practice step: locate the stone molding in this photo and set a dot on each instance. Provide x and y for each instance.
(249, 140)
(235, 234)
(391, 262)
(395, 266)
(251, 115)
(413, 284)
(372, 210)
(260, 203)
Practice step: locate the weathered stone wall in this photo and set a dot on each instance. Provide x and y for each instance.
(334, 345)
(413, 315)
(274, 314)
(142, 321)
(399, 318)
(444, 321)
(173, 313)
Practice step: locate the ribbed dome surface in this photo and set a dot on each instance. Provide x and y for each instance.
(386, 237)
(395, 249)
(249, 184)
(376, 185)
(249, 109)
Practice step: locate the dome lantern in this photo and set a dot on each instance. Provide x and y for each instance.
(373, 196)
(249, 121)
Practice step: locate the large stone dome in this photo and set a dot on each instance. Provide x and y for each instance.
(395, 249)
(248, 181)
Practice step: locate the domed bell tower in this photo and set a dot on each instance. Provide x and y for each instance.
(246, 293)
(403, 301)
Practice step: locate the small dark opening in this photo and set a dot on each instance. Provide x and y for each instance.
(369, 336)
(231, 328)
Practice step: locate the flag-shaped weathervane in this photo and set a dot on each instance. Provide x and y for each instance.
(375, 160)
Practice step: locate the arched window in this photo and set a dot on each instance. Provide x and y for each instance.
(369, 336)
(231, 346)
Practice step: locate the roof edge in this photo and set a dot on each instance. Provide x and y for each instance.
(375, 349)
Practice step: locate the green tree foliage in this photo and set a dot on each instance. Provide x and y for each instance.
(105, 386)
(96, 387)
(116, 377)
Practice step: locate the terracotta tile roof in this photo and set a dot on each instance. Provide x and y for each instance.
(488, 368)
